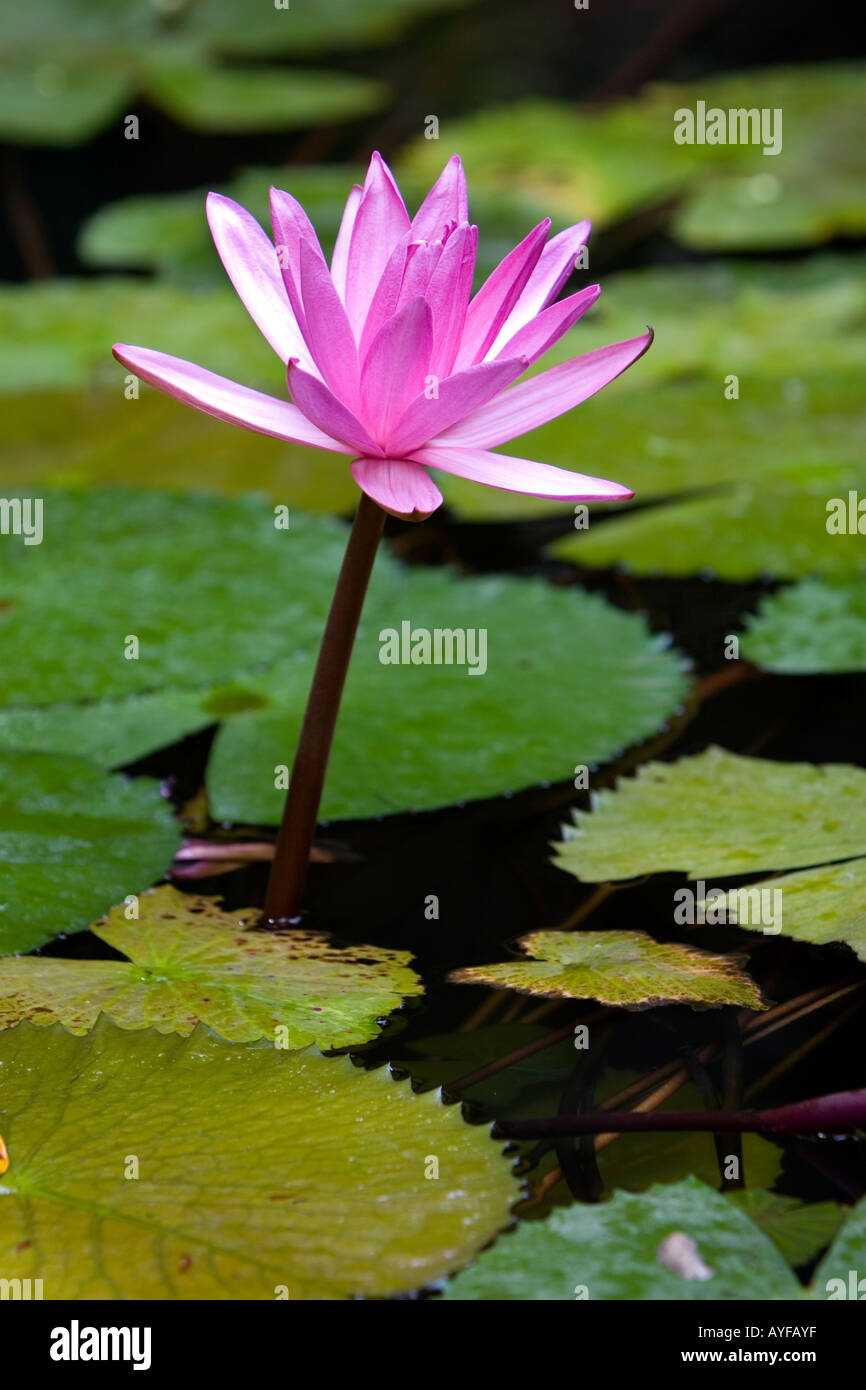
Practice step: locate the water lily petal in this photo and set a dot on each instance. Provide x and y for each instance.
(533, 340)
(250, 259)
(327, 329)
(532, 403)
(555, 264)
(498, 295)
(457, 396)
(396, 366)
(446, 203)
(384, 302)
(225, 399)
(381, 221)
(291, 226)
(319, 404)
(449, 293)
(340, 258)
(402, 487)
(521, 475)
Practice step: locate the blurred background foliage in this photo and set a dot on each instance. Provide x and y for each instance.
(748, 266)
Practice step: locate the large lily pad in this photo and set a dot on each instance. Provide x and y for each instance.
(421, 736)
(610, 1251)
(617, 967)
(191, 962)
(808, 629)
(718, 813)
(608, 163)
(73, 842)
(408, 734)
(801, 1230)
(116, 564)
(69, 69)
(193, 1169)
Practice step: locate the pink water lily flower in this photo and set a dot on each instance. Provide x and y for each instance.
(390, 359)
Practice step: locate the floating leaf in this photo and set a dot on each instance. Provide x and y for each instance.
(816, 905)
(617, 967)
(77, 440)
(261, 1173)
(801, 1230)
(115, 563)
(606, 164)
(610, 1251)
(190, 961)
(718, 813)
(808, 629)
(408, 735)
(235, 100)
(73, 842)
(68, 69)
(840, 1273)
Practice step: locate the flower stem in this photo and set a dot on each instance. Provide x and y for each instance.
(289, 871)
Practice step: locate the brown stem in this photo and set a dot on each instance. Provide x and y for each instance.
(289, 871)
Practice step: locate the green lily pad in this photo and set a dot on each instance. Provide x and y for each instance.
(63, 331)
(800, 1230)
(191, 962)
(718, 813)
(408, 734)
(809, 629)
(840, 1273)
(610, 1251)
(817, 905)
(73, 842)
(236, 100)
(422, 736)
(119, 564)
(67, 70)
(619, 968)
(609, 163)
(58, 439)
(231, 1171)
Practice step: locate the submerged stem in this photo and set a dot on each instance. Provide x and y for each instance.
(298, 826)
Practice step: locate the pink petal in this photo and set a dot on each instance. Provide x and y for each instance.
(448, 295)
(320, 405)
(250, 259)
(458, 395)
(522, 475)
(224, 399)
(381, 221)
(446, 202)
(291, 226)
(532, 403)
(498, 296)
(533, 340)
(340, 258)
(396, 366)
(327, 330)
(384, 303)
(421, 260)
(555, 265)
(401, 487)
